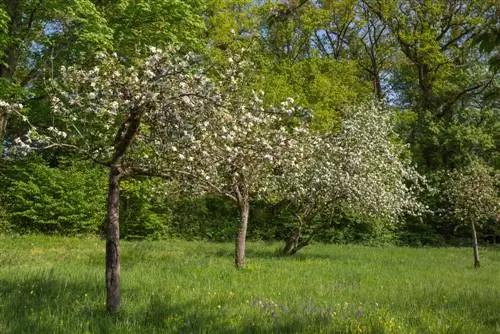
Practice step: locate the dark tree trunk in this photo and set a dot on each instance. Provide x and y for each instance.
(239, 255)
(377, 86)
(295, 243)
(292, 243)
(375, 73)
(123, 140)
(3, 125)
(475, 248)
(426, 89)
(113, 242)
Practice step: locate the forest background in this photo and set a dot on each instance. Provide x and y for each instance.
(433, 65)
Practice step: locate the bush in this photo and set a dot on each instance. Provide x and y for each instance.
(207, 218)
(143, 213)
(66, 200)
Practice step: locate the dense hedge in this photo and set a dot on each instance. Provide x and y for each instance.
(66, 200)
(70, 199)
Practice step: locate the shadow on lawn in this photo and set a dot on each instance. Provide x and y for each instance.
(45, 304)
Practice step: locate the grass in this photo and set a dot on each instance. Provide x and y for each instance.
(56, 285)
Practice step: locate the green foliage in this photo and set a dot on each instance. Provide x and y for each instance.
(4, 20)
(473, 193)
(231, 25)
(346, 226)
(63, 200)
(326, 86)
(488, 41)
(204, 218)
(139, 24)
(142, 213)
(439, 143)
(147, 214)
(54, 285)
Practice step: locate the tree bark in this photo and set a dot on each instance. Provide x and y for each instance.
(475, 248)
(377, 85)
(113, 242)
(292, 243)
(296, 242)
(244, 205)
(123, 140)
(3, 124)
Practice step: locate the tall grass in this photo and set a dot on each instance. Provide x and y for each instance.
(56, 285)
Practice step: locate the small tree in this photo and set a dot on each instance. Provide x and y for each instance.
(472, 193)
(360, 168)
(244, 151)
(112, 115)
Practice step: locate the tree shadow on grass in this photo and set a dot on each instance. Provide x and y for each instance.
(48, 303)
(43, 303)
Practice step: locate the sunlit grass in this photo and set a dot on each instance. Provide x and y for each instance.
(56, 285)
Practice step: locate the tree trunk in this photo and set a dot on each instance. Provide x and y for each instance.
(375, 72)
(113, 243)
(426, 89)
(475, 246)
(377, 86)
(239, 255)
(3, 124)
(292, 243)
(123, 140)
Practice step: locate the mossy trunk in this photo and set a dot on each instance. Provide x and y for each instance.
(113, 243)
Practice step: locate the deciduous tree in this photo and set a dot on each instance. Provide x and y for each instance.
(113, 115)
(473, 199)
(360, 168)
(244, 151)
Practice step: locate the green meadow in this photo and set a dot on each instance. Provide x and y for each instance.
(56, 285)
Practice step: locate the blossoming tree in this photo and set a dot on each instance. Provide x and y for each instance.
(112, 115)
(358, 168)
(473, 198)
(164, 117)
(243, 152)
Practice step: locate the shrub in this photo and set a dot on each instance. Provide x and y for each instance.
(65, 200)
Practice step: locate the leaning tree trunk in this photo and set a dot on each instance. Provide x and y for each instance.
(292, 242)
(296, 241)
(239, 254)
(475, 246)
(113, 243)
